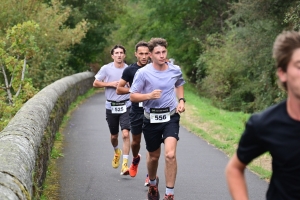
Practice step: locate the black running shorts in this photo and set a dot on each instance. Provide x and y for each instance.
(114, 120)
(136, 122)
(156, 133)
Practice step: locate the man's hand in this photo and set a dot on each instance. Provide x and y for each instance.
(155, 94)
(114, 84)
(180, 107)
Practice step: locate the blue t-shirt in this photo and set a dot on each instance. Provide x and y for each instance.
(148, 79)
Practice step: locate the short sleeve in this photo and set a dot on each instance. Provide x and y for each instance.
(101, 74)
(250, 144)
(180, 80)
(126, 74)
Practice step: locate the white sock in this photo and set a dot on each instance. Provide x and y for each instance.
(152, 182)
(116, 147)
(169, 191)
(125, 157)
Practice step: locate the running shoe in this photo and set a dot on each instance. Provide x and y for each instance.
(124, 170)
(147, 181)
(134, 166)
(153, 193)
(169, 197)
(116, 160)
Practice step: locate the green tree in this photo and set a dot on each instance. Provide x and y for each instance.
(292, 16)
(54, 40)
(33, 53)
(15, 51)
(239, 69)
(182, 23)
(100, 15)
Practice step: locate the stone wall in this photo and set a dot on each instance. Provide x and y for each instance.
(26, 142)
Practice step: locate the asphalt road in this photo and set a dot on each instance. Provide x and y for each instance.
(87, 174)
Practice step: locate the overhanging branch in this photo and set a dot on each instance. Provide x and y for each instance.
(9, 95)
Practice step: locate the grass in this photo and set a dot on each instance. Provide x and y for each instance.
(51, 184)
(220, 128)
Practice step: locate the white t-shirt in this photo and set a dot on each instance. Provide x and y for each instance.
(110, 73)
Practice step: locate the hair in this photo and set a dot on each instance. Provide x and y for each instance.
(117, 46)
(140, 44)
(157, 42)
(284, 46)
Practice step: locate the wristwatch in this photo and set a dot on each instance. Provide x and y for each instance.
(183, 99)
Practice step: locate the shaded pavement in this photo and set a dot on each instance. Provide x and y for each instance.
(87, 174)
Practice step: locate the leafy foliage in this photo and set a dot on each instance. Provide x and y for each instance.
(54, 40)
(33, 53)
(292, 16)
(15, 51)
(182, 23)
(223, 46)
(100, 15)
(239, 70)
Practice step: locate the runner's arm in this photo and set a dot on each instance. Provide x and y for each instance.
(181, 104)
(100, 84)
(121, 89)
(180, 92)
(236, 179)
(138, 97)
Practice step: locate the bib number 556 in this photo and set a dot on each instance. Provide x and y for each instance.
(160, 117)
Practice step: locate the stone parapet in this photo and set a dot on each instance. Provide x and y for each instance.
(26, 142)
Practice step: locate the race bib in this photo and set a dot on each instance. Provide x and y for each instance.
(118, 107)
(140, 104)
(159, 115)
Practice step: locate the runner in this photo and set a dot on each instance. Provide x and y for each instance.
(137, 111)
(275, 130)
(117, 106)
(154, 85)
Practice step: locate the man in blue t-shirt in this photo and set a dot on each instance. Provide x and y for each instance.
(137, 111)
(275, 130)
(154, 85)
